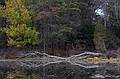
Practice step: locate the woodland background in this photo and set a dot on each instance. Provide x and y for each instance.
(59, 27)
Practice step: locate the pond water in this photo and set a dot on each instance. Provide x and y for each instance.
(43, 66)
(63, 70)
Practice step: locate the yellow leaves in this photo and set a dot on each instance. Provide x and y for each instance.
(21, 35)
(16, 12)
(11, 42)
(25, 17)
(21, 75)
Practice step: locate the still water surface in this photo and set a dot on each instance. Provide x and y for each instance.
(60, 70)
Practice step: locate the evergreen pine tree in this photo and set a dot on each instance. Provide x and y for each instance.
(100, 37)
(20, 33)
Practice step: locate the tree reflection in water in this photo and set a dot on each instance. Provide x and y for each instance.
(61, 70)
(58, 68)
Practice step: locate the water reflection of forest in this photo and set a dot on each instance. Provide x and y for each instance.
(60, 71)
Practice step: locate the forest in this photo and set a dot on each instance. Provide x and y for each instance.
(59, 39)
(60, 27)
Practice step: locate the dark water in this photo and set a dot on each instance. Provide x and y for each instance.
(63, 70)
